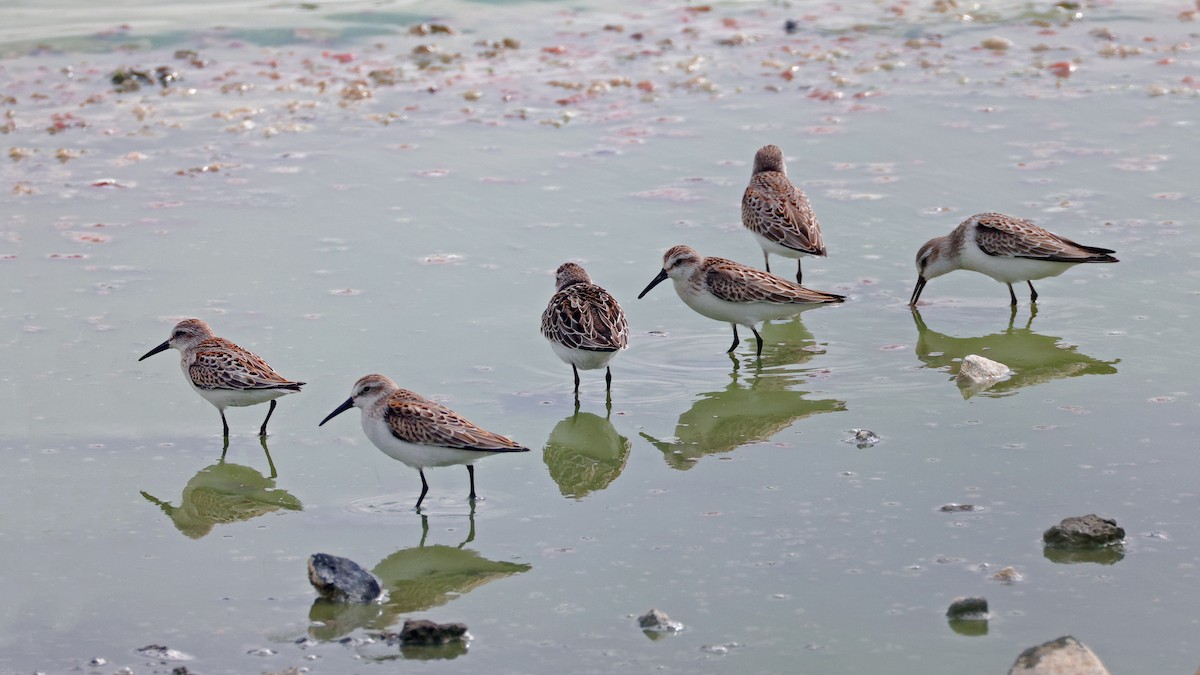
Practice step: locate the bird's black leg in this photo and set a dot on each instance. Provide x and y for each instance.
(424, 489)
(1012, 295)
(799, 273)
(263, 430)
(471, 473)
(759, 338)
(736, 341)
(767, 260)
(1032, 292)
(224, 425)
(576, 371)
(608, 378)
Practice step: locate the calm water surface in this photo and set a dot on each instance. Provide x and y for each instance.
(343, 196)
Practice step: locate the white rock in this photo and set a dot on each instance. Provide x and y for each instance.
(977, 373)
(1064, 656)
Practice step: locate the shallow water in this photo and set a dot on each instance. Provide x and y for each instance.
(409, 222)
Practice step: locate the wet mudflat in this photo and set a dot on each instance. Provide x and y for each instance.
(347, 189)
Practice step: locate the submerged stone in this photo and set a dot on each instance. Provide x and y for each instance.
(864, 438)
(1090, 531)
(341, 579)
(658, 621)
(968, 609)
(422, 632)
(1064, 656)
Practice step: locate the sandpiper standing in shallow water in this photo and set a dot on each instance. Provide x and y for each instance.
(224, 373)
(1007, 249)
(584, 324)
(418, 432)
(734, 293)
(778, 213)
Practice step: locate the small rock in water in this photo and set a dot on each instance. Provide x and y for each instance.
(956, 508)
(1008, 575)
(657, 620)
(719, 649)
(997, 43)
(164, 653)
(341, 579)
(422, 632)
(978, 373)
(1064, 656)
(99, 661)
(865, 438)
(1090, 531)
(968, 609)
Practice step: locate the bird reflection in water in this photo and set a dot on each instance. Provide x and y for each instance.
(225, 493)
(750, 409)
(585, 454)
(416, 579)
(1033, 358)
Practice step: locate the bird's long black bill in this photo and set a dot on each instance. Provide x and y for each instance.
(921, 281)
(338, 411)
(662, 276)
(161, 348)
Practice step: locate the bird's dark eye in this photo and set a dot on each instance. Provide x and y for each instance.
(178, 334)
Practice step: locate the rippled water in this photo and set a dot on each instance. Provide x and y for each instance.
(343, 196)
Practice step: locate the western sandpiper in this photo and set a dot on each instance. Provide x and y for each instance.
(737, 294)
(584, 324)
(778, 213)
(224, 373)
(418, 432)
(1007, 249)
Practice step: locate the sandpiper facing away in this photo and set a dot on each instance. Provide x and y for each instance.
(778, 213)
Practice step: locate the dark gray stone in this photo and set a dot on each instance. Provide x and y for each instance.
(1090, 531)
(341, 579)
(421, 632)
(968, 609)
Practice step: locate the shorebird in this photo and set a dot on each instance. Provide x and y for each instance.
(224, 373)
(584, 324)
(734, 293)
(1007, 249)
(418, 432)
(778, 213)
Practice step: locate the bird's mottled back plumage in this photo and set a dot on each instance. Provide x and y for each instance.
(217, 363)
(413, 418)
(582, 315)
(735, 282)
(1001, 235)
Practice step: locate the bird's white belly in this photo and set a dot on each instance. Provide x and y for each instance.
(413, 455)
(743, 313)
(1008, 270)
(776, 248)
(236, 398)
(583, 359)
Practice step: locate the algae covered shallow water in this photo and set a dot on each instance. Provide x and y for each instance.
(343, 195)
